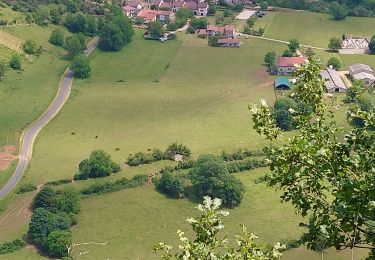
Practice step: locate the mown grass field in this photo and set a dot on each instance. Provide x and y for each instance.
(149, 95)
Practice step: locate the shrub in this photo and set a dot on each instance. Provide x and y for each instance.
(175, 149)
(57, 37)
(171, 185)
(29, 47)
(98, 165)
(107, 187)
(245, 165)
(81, 67)
(282, 114)
(15, 62)
(58, 182)
(210, 177)
(334, 62)
(56, 243)
(10, 247)
(26, 187)
(140, 158)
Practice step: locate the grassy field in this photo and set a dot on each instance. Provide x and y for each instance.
(25, 95)
(149, 95)
(7, 14)
(316, 29)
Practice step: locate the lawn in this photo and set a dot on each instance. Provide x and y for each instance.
(316, 29)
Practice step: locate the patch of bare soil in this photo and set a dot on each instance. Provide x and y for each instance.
(7, 155)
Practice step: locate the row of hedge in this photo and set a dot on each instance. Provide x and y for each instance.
(245, 165)
(241, 154)
(158, 155)
(10, 247)
(123, 183)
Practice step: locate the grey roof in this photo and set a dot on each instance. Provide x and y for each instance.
(359, 67)
(363, 75)
(333, 79)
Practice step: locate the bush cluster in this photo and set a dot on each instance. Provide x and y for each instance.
(99, 164)
(58, 182)
(240, 155)
(54, 214)
(107, 187)
(158, 155)
(10, 247)
(172, 185)
(245, 165)
(26, 187)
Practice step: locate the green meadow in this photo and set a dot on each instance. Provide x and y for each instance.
(148, 95)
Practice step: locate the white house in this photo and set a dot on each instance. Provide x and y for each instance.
(288, 65)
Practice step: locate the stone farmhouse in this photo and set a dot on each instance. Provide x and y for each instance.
(354, 45)
(229, 42)
(333, 81)
(288, 65)
(362, 72)
(226, 31)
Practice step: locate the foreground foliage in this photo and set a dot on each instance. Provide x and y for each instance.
(326, 172)
(207, 244)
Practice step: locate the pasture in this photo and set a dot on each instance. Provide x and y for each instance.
(148, 95)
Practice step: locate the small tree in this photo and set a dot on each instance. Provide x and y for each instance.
(334, 62)
(282, 113)
(81, 67)
(288, 53)
(251, 21)
(29, 47)
(74, 45)
(156, 29)
(171, 185)
(293, 45)
(354, 91)
(372, 45)
(210, 177)
(99, 164)
(335, 44)
(56, 243)
(270, 58)
(15, 62)
(207, 245)
(57, 37)
(2, 70)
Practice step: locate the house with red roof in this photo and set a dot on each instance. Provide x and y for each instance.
(229, 42)
(227, 31)
(129, 11)
(288, 65)
(154, 15)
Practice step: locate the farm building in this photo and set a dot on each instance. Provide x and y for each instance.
(363, 73)
(229, 42)
(227, 31)
(354, 45)
(282, 83)
(333, 81)
(288, 65)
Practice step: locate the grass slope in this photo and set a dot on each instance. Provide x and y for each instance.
(317, 28)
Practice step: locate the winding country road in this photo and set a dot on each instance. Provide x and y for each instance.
(31, 132)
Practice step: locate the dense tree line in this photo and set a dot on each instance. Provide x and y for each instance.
(339, 9)
(53, 216)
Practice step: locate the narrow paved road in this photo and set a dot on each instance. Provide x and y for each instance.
(31, 132)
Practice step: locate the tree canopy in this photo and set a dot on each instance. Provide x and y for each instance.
(81, 67)
(325, 171)
(335, 44)
(210, 177)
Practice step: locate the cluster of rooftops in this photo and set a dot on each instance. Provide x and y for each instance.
(332, 79)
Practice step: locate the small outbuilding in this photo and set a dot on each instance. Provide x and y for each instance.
(282, 83)
(332, 81)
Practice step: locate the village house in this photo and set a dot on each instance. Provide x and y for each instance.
(229, 42)
(288, 65)
(363, 73)
(176, 5)
(333, 81)
(135, 4)
(154, 15)
(213, 30)
(129, 11)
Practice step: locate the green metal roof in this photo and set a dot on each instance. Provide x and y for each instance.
(282, 81)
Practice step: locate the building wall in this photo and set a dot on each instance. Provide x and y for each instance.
(285, 70)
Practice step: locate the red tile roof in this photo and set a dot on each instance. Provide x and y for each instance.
(147, 14)
(202, 5)
(178, 3)
(128, 8)
(290, 61)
